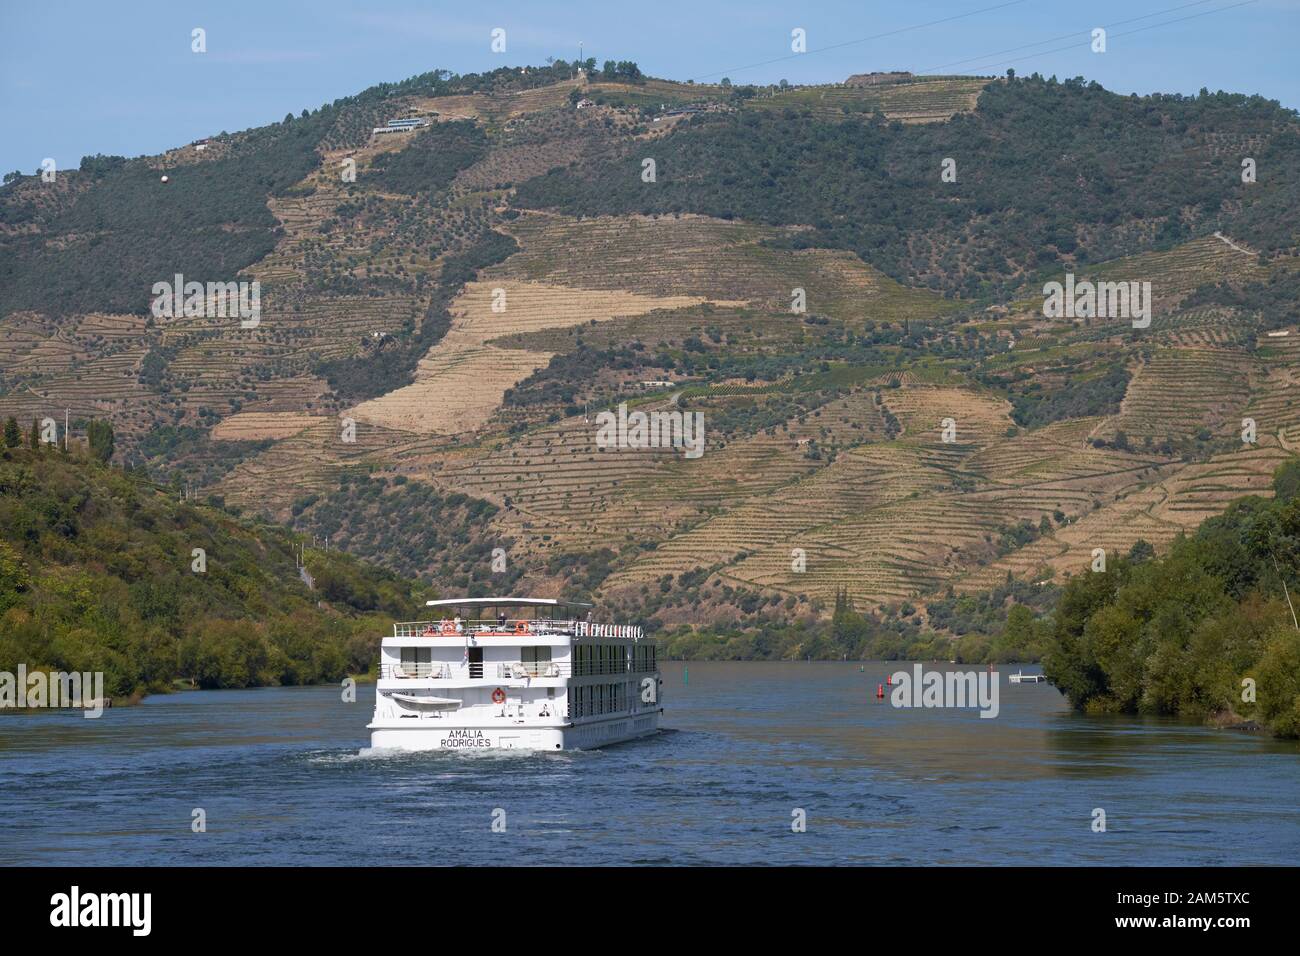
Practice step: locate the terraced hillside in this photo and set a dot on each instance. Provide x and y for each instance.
(927, 99)
(460, 383)
(888, 415)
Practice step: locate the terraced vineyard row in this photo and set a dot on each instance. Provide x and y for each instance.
(1176, 504)
(1181, 391)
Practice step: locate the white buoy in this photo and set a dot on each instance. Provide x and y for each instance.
(164, 179)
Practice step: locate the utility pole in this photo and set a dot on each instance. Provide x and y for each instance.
(65, 429)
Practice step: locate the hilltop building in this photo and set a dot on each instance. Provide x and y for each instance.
(401, 125)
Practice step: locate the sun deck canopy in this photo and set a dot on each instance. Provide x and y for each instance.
(504, 602)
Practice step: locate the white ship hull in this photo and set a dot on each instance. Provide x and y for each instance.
(421, 736)
(488, 682)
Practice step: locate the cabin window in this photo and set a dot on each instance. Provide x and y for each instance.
(536, 655)
(417, 661)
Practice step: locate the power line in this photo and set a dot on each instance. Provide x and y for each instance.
(1071, 46)
(877, 36)
(1064, 36)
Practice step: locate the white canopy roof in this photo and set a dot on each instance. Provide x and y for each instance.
(506, 601)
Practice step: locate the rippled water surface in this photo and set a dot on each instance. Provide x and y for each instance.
(284, 777)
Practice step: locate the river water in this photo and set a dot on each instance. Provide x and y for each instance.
(283, 776)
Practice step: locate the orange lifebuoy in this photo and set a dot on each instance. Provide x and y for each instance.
(521, 627)
(498, 696)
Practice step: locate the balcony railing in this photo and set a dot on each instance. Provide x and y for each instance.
(413, 670)
(515, 627)
(505, 670)
(521, 669)
(511, 627)
(441, 670)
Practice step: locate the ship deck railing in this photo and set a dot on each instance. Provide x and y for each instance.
(516, 627)
(503, 670)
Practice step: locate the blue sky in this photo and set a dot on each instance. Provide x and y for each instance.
(90, 77)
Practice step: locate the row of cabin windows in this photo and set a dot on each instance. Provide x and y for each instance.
(594, 659)
(591, 659)
(424, 655)
(595, 699)
(645, 658)
(588, 659)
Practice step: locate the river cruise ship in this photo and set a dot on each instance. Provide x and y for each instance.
(514, 673)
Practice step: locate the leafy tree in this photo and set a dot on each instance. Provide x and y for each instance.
(95, 575)
(1279, 681)
(13, 435)
(1179, 634)
(100, 435)
(14, 577)
(1286, 480)
(1142, 550)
